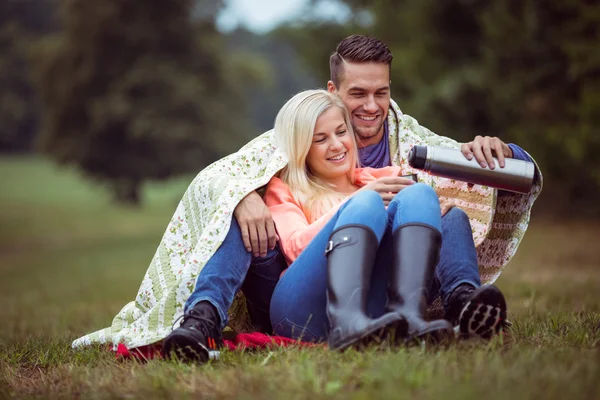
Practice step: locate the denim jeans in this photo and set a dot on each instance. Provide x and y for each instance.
(298, 306)
(232, 267)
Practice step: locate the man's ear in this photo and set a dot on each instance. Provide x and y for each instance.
(331, 87)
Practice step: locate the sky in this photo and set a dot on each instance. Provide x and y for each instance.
(261, 16)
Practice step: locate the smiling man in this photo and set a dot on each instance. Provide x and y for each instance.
(365, 89)
(222, 237)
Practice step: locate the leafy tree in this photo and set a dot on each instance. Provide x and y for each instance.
(525, 70)
(16, 95)
(542, 61)
(134, 91)
(21, 21)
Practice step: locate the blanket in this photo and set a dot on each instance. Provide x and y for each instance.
(203, 216)
(241, 342)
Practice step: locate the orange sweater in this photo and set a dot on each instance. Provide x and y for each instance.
(293, 227)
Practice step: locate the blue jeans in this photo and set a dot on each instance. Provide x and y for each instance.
(298, 306)
(232, 268)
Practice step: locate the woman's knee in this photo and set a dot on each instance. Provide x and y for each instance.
(417, 203)
(419, 194)
(418, 191)
(366, 207)
(367, 199)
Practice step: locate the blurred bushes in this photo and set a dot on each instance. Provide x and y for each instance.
(525, 70)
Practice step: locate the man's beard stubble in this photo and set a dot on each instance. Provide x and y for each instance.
(361, 137)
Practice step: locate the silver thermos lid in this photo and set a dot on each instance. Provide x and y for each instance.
(516, 176)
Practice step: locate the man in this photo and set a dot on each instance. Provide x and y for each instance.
(210, 260)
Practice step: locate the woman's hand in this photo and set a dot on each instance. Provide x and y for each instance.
(446, 205)
(388, 187)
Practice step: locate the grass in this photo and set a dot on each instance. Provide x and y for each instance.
(70, 259)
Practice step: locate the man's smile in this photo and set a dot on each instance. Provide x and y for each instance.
(368, 119)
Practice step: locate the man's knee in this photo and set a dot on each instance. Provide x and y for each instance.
(455, 216)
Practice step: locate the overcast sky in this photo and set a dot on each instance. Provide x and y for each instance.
(262, 15)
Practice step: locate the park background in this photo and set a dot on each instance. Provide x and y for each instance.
(108, 108)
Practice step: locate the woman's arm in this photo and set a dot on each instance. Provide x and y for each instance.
(293, 228)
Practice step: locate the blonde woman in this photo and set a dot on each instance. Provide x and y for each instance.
(362, 244)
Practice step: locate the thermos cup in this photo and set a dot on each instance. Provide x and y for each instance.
(516, 176)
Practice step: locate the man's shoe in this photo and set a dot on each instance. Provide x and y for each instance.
(198, 338)
(477, 312)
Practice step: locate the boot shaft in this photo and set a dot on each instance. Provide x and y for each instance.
(415, 256)
(350, 254)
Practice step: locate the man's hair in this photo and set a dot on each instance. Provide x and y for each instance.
(358, 49)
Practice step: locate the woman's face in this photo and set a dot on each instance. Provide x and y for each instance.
(331, 153)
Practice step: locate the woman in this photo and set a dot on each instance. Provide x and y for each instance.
(361, 261)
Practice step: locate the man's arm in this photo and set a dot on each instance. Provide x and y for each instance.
(256, 224)
(519, 153)
(482, 148)
(253, 216)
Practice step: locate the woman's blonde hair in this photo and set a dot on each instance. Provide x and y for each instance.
(294, 129)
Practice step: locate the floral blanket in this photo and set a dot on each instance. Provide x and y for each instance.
(203, 216)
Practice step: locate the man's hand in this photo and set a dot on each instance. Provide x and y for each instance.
(388, 186)
(256, 224)
(484, 148)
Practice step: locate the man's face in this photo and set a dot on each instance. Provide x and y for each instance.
(365, 90)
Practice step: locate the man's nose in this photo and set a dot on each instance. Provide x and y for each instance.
(370, 104)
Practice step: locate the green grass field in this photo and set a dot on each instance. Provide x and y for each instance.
(69, 260)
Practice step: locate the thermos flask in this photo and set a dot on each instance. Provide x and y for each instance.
(516, 176)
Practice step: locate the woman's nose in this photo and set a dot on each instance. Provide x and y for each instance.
(336, 143)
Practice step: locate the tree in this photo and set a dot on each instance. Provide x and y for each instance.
(133, 91)
(16, 95)
(20, 23)
(543, 67)
(525, 70)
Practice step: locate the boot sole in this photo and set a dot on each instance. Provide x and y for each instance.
(484, 315)
(434, 336)
(375, 335)
(185, 347)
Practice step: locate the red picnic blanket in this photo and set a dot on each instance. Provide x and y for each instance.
(242, 341)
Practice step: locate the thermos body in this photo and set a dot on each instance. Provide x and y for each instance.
(516, 176)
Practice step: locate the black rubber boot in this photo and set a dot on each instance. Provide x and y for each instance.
(416, 253)
(350, 257)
